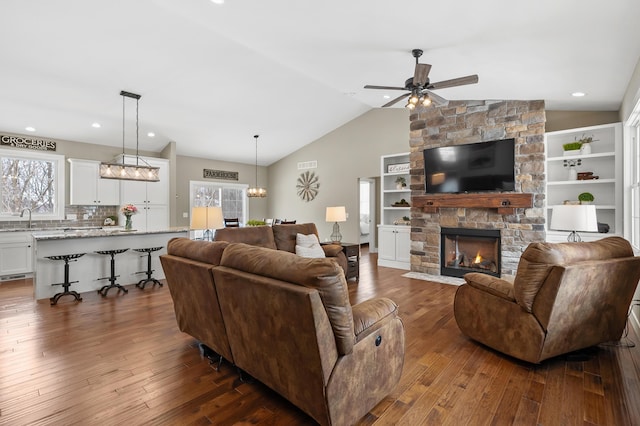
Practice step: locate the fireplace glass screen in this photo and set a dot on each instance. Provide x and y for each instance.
(469, 250)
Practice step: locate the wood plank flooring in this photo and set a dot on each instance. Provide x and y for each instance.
(122, 360)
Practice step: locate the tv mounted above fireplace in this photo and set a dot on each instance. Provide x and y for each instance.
(475, 167)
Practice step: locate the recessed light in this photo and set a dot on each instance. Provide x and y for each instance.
(578, 94)
(151, 134)
(96, 125)
(30, 129)
(217, 1)
(386, 96)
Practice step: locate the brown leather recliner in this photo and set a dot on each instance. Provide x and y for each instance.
(187, 267)
(565, 297)
(290, 325)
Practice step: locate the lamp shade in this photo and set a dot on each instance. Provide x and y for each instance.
(581, 217)
(206, 218)
(336, 214)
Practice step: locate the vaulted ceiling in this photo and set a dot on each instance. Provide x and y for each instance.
(211, 76)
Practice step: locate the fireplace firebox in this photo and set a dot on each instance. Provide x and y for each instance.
(469, 250)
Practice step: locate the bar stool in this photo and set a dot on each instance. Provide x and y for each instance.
(149, 271)
(112, 278)
(67, 258)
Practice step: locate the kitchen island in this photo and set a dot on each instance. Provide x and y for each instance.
(87, 270)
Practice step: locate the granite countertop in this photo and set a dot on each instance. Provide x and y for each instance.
(57, 229)
(68, 233)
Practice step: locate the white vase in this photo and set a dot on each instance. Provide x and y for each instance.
(573, 173)
(585, 149)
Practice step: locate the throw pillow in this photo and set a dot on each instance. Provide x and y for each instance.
(308, 246)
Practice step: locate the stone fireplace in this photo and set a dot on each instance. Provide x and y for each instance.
(462, 122)
(469, 250)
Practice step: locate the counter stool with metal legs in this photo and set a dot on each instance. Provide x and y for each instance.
(149, 271)
(112, 278)
(67, 258)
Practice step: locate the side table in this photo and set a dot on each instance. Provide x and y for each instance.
(352, 252)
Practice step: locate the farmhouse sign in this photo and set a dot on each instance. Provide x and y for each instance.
(26, 142)
(219, 174)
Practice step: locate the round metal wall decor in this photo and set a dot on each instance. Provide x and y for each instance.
(308, 184)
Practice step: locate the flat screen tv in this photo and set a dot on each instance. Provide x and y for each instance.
(476, 167)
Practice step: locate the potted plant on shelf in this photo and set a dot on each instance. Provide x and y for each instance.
(401, 182)
(572, 148)
(586, 198)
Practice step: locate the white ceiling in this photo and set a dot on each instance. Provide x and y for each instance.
(211, 76)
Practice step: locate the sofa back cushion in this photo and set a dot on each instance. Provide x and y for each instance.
(539, 258)
(260, 236)
(200, 251)
(323, 275)
(285, 235)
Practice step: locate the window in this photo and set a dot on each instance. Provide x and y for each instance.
(231, 197)
(31, 180)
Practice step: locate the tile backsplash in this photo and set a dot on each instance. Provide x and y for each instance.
(95, 216)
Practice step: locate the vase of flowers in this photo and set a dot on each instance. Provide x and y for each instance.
(128, 211)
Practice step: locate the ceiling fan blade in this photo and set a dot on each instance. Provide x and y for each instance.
(393, 101)
(368, 86)
(421, 73)
(437, 99)
(460, 81)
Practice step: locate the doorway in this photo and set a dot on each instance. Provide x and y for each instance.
(367, 214)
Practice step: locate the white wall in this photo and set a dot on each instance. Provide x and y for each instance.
(347, 153)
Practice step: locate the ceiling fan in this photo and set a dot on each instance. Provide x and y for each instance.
(420, 88)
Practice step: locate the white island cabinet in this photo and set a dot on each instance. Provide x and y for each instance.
(88, 269)
(15, 254)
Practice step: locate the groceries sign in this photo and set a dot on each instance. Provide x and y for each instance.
(26, 142)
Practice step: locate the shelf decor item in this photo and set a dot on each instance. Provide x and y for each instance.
(586, 198)
(585, 148)
(573, 173)
(401, 182)
(398, 168)
(572, 148)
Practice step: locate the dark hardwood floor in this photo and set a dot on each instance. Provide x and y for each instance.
(122, 360)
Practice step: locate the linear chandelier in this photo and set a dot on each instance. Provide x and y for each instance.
(123, 171)
(256, 191)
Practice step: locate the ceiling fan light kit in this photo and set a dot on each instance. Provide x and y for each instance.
(122, 171)
(419, 87)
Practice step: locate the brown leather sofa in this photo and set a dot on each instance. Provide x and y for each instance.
(279, 237)
(287, 321)
(565, 297)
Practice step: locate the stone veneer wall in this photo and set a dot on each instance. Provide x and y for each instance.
(462, 122)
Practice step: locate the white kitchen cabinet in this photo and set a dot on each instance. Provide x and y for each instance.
(87, 188)
(15, 253)
(151, 198)
(394, 246)
(604, 161)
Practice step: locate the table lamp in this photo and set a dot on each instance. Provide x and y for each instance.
(335, 215)
(207, 218)
(574, 218)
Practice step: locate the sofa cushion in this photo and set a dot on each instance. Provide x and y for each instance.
(308, 246)
(324, 275)
(285, 235)
(539, 258)
(260, 236)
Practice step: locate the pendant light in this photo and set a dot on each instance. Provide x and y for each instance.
(256, 191)
(122, 171)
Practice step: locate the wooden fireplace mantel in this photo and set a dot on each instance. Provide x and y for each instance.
(505, 202)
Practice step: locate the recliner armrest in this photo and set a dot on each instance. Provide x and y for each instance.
(369, 315)
(331, 250)
(493, 285)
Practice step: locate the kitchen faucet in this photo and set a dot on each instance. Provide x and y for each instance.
(22, 214)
